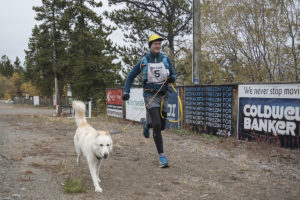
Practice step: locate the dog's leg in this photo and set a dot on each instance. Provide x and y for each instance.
(77, 148)
(93, 170)
(98, 170)
(78, 158)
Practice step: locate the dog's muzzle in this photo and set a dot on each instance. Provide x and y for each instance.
(105, 155)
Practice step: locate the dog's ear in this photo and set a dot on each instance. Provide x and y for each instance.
(103, 133)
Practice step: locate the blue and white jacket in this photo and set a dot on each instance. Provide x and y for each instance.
(151, 58)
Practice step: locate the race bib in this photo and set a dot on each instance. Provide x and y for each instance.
(157, 73)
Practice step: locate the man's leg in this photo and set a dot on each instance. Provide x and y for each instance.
(163, 120)
(157, 136)
(149, 120)
(156, 125)
(164, 113)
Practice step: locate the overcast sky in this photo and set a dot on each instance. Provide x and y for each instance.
(17, 21)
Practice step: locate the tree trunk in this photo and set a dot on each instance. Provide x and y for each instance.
(57, 93)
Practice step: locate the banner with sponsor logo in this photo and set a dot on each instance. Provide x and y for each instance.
(114, 102)
(270, 110)
(135, 105)
(173, 109)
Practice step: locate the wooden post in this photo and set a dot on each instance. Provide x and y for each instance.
(196, 43)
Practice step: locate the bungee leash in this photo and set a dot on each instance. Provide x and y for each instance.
(180, 106)
(123, 129)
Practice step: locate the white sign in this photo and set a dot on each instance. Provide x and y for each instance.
(69, 91)
(196, 80)
(115, 113)
(54, 100)
(290, 91)
(135, 106)
(36, 100)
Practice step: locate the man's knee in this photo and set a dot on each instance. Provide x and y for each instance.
(156, 125)
(163, 121)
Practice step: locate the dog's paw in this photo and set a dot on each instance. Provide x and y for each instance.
(98, 189)
(99, 180)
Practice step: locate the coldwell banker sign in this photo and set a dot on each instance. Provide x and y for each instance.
(273, 109)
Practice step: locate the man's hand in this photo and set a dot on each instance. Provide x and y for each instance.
(125, 97)
(171, 79)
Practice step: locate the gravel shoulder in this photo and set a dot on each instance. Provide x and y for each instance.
(37, 156)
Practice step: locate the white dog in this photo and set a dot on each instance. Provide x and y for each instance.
(94, 145)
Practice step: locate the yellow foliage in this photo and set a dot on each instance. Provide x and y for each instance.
(7, 96)
(28, 88)
(16, 79)
(65, 90)
(7, 88)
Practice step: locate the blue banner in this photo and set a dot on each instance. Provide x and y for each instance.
(173, 109)
(266, 115)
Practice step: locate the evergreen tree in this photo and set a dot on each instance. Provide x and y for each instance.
(45, 58)
(71, 44)
(39, 68)
(130, 55)
(170, 19)
(17, 66)
(18, 76)
(90, 52)
(6, 68)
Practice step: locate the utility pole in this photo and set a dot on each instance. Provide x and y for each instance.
(196, 43)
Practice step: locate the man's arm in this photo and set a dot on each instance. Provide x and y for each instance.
(172, 71)
(136, 70)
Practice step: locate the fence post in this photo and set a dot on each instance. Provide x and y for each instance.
(235, 110)
(90, 109)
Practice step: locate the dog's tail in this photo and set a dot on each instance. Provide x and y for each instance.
(79, 108)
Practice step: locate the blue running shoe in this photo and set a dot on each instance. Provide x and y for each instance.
(163, 163)
(146, 131)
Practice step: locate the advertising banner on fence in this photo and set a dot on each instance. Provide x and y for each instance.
(135, 105)
(272, 109)
(173, 110)
(210, 108)
(114, 102)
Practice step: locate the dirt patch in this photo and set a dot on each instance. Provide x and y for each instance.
(37, 157)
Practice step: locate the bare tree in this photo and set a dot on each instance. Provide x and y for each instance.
(256, 39)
